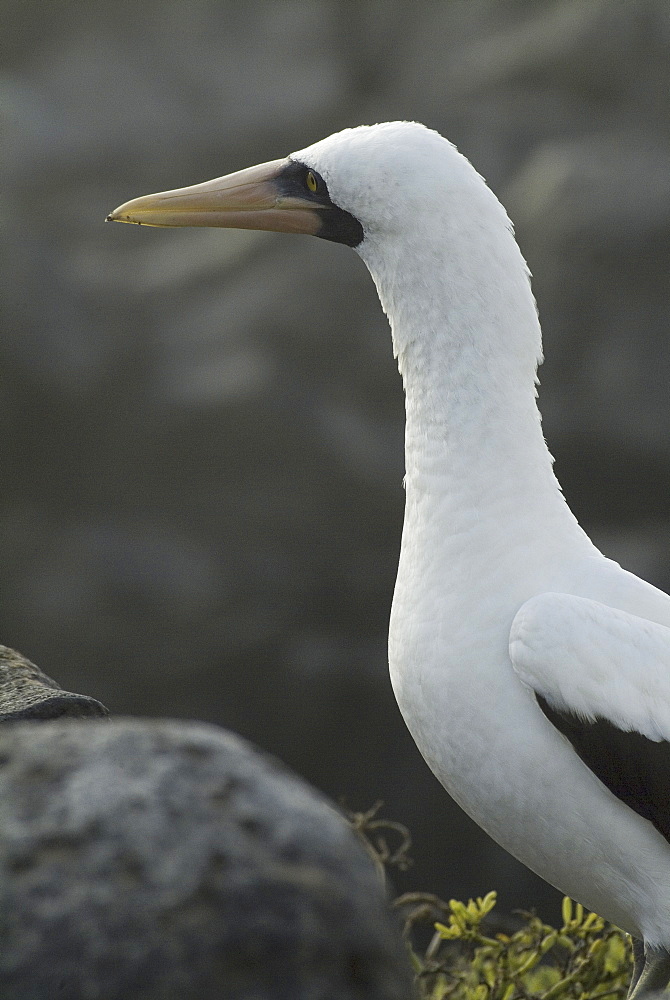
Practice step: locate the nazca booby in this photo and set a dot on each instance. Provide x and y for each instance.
(532, 671)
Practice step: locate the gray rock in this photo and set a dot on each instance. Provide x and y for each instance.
(27, 693)
(162, 859)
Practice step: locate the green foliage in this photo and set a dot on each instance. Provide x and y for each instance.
(584, 959)
(469, 957)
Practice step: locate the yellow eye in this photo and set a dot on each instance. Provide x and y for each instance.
(310, 180)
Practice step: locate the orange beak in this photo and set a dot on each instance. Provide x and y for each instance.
(247, 199)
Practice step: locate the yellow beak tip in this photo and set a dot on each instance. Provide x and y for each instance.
(116, 217)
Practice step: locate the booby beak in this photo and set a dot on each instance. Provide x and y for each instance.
(254, 198)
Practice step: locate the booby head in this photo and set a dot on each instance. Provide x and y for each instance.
(430, 231)
(366, 182)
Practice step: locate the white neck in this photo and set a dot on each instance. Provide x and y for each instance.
(467, 338)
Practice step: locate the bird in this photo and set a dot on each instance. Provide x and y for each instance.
(532, 671)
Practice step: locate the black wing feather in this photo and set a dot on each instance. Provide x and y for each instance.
(635, 768)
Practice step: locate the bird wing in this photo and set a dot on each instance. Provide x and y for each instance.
(602, 678)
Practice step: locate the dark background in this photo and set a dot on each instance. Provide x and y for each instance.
(201, 431)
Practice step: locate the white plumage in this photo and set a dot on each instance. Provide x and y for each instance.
(585, 657)
(505, 616)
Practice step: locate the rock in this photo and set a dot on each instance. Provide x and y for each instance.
(165, 859)
(27, 693)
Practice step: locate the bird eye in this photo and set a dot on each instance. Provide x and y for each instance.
(310, 181)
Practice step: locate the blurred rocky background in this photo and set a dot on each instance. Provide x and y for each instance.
(201, 432)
